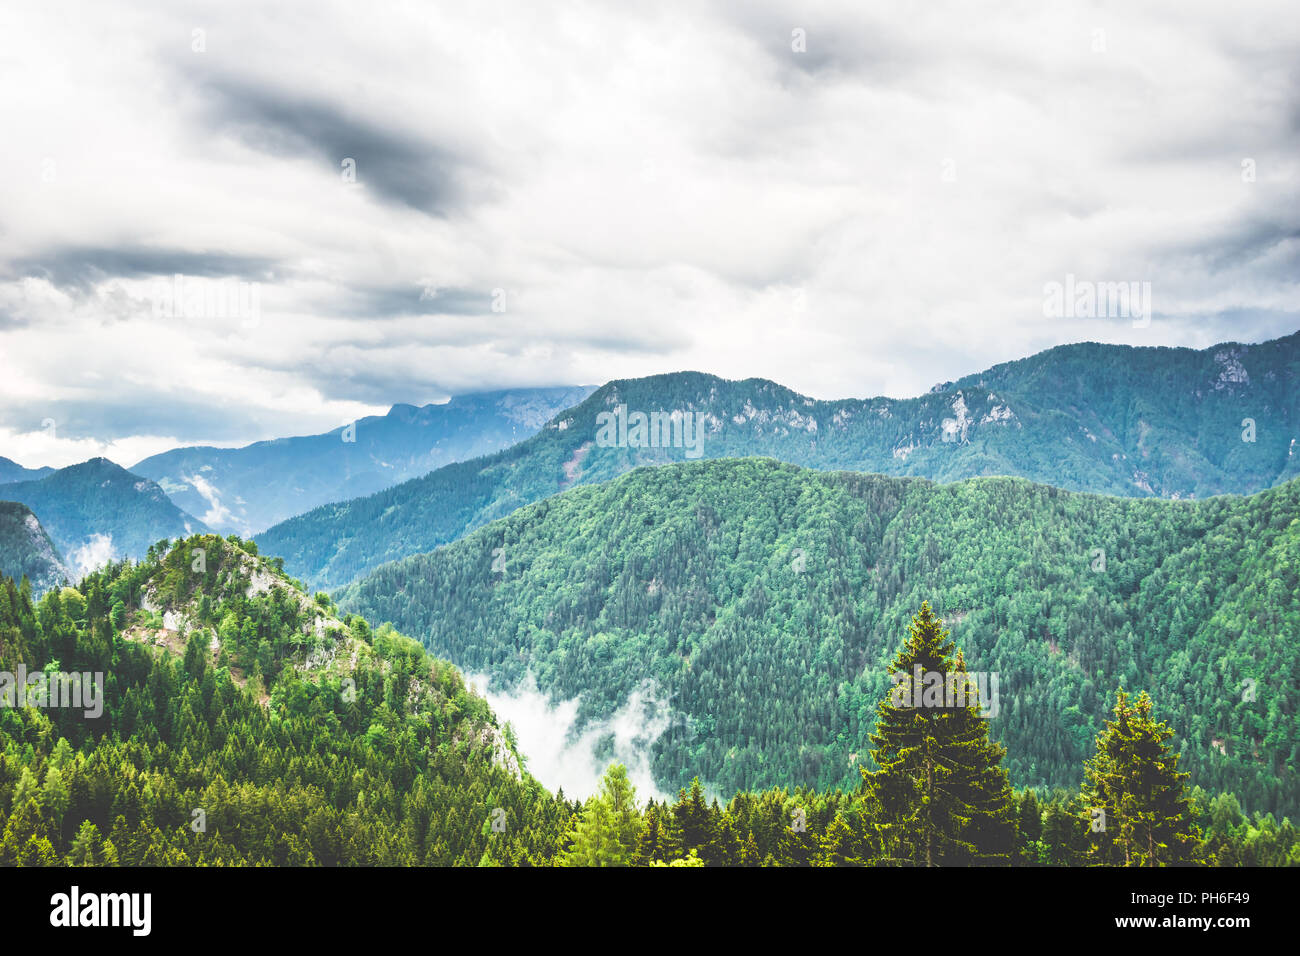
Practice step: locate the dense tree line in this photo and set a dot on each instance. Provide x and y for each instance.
(941, 798)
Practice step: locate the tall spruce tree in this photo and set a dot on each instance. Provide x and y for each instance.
(941, 794)
(609, 830)
(1134, 795)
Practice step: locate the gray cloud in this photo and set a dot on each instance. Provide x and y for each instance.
(408, 299)
(399, 164)
(80, 267)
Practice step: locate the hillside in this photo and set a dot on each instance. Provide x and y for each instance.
(251, 488)
(27, 551)
(98, 510)
(1117, 420)
(764, 601)
(246, 723)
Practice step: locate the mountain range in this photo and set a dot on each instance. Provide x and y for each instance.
(248, 489)
(97, 511)
(1117, 420)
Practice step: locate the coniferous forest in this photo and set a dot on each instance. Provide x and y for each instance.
(740, 581)
(244, 722)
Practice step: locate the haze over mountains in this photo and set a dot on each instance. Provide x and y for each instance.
(97, 511)
(248, 489)
(1119, 420)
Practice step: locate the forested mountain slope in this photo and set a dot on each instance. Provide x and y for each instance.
(765, 599)
(27, 551)
(243, 723)
(251, 488)
(1110, 419)
(98, 510)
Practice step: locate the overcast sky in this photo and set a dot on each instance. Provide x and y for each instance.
(849, 201)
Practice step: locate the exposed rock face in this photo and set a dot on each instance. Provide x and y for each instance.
(1231, 371)
(26, 549)
(957, 429)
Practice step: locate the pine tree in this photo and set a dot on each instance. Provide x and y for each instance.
(698, 825)
(609, 830)
(1134, 790)
(941, 794)
(840, 845)
(1029, 827)
(661, 839)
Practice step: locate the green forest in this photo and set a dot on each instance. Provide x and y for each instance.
(246, 722)
(765, 601)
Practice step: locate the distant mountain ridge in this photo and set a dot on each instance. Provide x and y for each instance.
(1118, 420)
(98, 510)
(248, 489)
(12, 471)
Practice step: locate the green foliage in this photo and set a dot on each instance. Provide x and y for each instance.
(363, 751)
(609, 829)
(766, 602)
(380, 755)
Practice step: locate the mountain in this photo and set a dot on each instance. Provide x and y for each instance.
(12, 471)
(238, 721)
(1117, 420)
(763, 602)
(97, 510)
(27, 551)
(249, 489)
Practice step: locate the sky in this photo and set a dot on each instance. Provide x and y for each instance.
(427, 199)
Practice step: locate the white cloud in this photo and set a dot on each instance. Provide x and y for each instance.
(217, 515)
(562, 758)
(95, 552)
